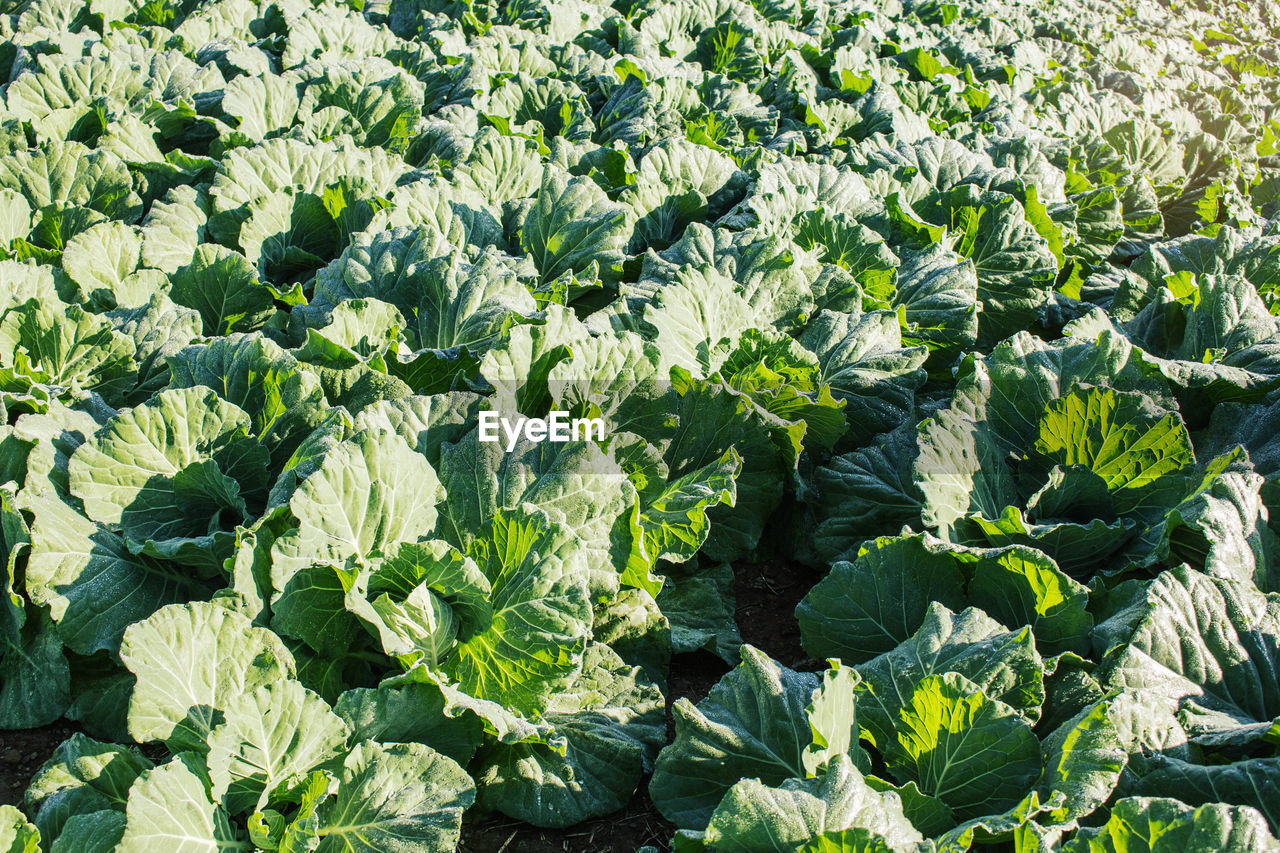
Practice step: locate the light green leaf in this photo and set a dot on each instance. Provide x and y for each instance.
(1083, 759)
(674, 515)
(16, 835)
(170, 809)
(179, 470)
(572, 226)
(268, 741)
(192, 661)
(758, 818)
(175, 226)
(283, 401)
(370, 492)
(1140, 453)
(66, 350)
(541, 619)
(401, 798)
(103, 256)
(867, 367)
(94, 587)
(833, 718)
(1021, 586)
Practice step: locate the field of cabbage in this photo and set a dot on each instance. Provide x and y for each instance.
(968, 313)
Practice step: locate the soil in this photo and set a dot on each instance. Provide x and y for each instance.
(766, 593)
(767, 596)
(626, 831)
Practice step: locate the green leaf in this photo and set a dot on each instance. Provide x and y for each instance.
(158, 329)
(175, 226)
(64, 350)
(753, 724)
(1022, 377)
(864, 492)
(223, 286)
(312, 607)
(781, 378)
(699, 605)
(1021, 586)
(380, 97)
(855, 247)
(1077, 548)
(180, 470)
(634, 627)
(263, 104)
(36, 688)
(427, 423)
(95, 832)
(1002, 664)
(420, 598)
(1140, 453)
(577, 484)
(976, 754)
(467, 304)
(94, 586)
(1083, 759)
(713, 417)
(611, 721)
(867, 607)
(410, 712)
(572, 226)
(928, 814)
(302, 833)
(1206, 644)
(283, 401)
(698, 317)
(370, 492)
(518, 369)
(960, 472)
(1254, 782)
(1168, 826)
(287, 236)
(673, 515)
(65, 174)
(533, 645)
(81, 777)
(832, 716)
(101, 258)
(868, 368)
